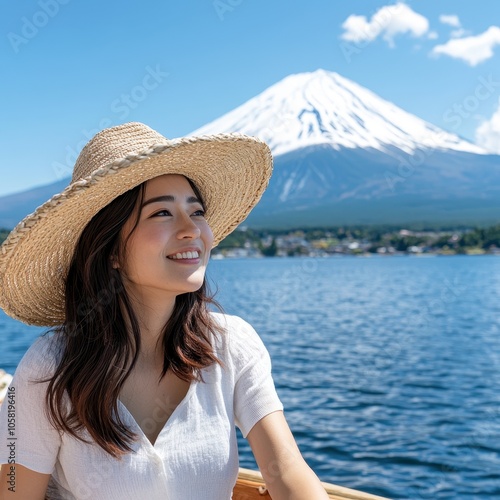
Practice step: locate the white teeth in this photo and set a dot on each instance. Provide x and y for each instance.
(185, 255)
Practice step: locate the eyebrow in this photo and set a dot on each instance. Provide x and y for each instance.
(169, 197)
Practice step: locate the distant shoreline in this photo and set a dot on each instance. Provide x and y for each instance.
(218, 256)
(359, 241)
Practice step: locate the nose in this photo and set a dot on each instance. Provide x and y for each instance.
(187, 228)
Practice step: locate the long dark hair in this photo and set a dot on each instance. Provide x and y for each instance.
(101, 336)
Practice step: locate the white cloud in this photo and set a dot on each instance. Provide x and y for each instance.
(459, 33)
(388, 22)
(488, 133)
(432, 35)
(451, 20)
(472, 49)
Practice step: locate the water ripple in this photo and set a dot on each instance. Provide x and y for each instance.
(389, 369)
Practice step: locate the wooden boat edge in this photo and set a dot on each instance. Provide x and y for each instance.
(250, 485)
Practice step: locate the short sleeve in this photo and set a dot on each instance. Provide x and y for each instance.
(255, 395)
(31, 439)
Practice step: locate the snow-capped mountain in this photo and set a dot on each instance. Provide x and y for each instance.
(322, 107)
(343, 155)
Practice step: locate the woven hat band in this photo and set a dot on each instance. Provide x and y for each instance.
(113, 144)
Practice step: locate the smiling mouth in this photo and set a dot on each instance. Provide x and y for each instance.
(184, 255)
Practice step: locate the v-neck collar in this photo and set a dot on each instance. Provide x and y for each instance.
(125, 411)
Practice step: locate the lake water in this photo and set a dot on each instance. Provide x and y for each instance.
(389, 368)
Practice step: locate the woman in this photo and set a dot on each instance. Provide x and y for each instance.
(137, 392)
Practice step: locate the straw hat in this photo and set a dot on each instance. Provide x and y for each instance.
(231, 172)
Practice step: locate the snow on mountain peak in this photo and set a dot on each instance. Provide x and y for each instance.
(322, 107)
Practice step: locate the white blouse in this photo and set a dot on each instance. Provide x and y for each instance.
(195, 456)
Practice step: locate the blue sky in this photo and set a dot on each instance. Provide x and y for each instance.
(70, 68)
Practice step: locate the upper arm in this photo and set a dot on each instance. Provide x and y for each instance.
(285, 472)
(18, 482)
(273, 446)
(254, 391)
(33, 441)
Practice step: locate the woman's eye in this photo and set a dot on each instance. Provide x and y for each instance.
(162, 213)
(200, 213)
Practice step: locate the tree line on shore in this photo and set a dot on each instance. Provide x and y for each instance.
(366, 239)
(456, 240)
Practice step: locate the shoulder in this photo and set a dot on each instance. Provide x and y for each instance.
(234, 327)
(41, 359)
(229, 321)
(239, 339)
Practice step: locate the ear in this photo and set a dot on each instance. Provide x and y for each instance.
(114, 262)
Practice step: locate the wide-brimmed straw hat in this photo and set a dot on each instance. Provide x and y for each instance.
(231, 172)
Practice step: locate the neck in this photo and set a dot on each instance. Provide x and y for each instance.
(152, 316)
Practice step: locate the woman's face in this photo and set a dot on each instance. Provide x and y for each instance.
(168, 251)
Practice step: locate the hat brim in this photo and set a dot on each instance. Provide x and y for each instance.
(231, 172)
